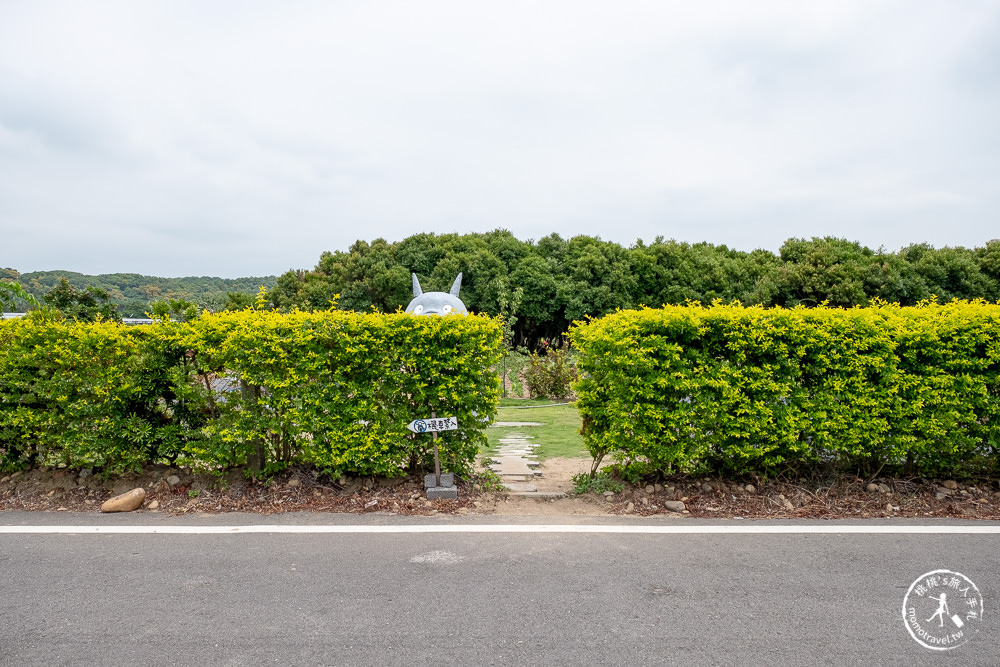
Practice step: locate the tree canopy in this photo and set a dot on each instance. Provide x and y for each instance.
(569, 279)
(563, 280)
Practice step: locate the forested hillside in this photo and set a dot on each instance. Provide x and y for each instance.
(565, 280)
(133, 293)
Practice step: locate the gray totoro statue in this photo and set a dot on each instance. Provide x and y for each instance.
(436, 303)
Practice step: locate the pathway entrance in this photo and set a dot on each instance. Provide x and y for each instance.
(517, 465)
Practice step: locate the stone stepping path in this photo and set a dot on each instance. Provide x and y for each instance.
(515, 462)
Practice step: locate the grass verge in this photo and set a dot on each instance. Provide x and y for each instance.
(559, 434)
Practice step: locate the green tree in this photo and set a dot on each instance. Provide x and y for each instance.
(509, 301)
(11, 292)
(134, 308)
(821, 270)
(177, 309)
(89, 305)
(237, 301)
(539, 314)
(951, 273)
(988, 258)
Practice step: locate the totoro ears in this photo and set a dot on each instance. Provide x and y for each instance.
(417, 291)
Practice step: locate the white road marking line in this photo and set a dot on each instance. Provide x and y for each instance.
(742, 529)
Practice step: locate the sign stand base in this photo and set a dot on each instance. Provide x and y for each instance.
(442, 492)
(446, 490)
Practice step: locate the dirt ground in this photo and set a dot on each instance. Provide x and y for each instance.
(178, 491)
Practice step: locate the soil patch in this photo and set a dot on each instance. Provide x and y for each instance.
(178, 491)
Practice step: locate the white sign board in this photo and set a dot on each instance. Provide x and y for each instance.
(432, 424)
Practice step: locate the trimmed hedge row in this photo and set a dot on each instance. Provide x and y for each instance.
(334, 389)
(732, 389)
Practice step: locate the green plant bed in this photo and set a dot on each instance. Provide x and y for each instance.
(559, 436)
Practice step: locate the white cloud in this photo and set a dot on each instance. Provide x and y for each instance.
(245, 138)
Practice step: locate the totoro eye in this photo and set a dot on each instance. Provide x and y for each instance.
(446, 309)
(419, 308)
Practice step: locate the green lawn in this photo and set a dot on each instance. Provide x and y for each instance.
(560, 435)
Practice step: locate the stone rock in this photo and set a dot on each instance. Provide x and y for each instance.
(940, 496)
(442, 492)
(707, 488)
(657, 487)
(650, 488)
(126, 502)
(520, 487)
(950, 484)
(669, 490)
(447, 479)
(173, 480)
(884, 488)
(609, 494)
(85, 473)
(674, 506)
(161, 487)
(292, 483)
(153, 505)
(5, 478)
(872, 488)
(943, 490)
(750, 488)
(888, 507)
(630, 507)
(786, 502)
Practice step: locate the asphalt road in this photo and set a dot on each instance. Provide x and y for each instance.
(473, 598)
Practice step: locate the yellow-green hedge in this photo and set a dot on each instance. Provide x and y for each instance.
(334, 389)
(729, 388)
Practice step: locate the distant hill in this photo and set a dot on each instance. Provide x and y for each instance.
(134, 292)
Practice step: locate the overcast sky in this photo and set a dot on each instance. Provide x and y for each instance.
(244, 138)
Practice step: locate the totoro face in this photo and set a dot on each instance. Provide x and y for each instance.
(436, 303)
